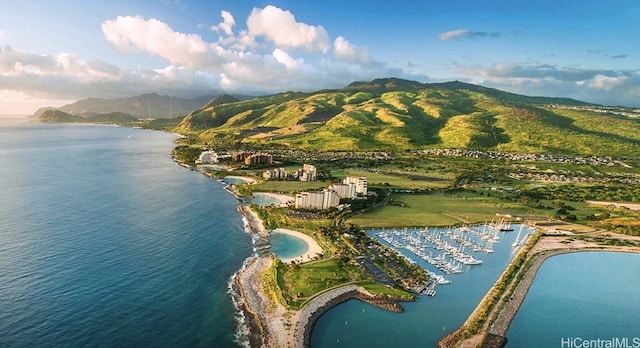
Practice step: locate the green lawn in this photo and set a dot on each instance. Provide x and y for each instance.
(379, 289)
(314, 277)
(288, 186)
(400, 181)
(438, 210)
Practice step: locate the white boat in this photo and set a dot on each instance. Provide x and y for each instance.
(516, 243)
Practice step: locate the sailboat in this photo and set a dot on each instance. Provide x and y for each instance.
(517, 241)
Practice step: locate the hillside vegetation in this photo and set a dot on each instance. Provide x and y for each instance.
(394, 114)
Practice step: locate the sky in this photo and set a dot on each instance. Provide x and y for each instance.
(57, 52)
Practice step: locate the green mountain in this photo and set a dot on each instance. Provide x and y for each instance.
(398, 114)
(57, 116)
(113, 117)
(143, 106)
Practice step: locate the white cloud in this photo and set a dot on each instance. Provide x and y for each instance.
(606, 83)
(14, 62)
(274, 53)
(285, 59)
(226, 26)
(343, 49)
(3, 35)
(130, 34)
(602, 86)
(460, 34)
(281, 28)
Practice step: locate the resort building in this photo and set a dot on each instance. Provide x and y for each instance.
(239, 156)
(207, 157)
(275, 174)
(347, 191)
(307, 173)
(324, 199)
(359, 181)
(258, 158)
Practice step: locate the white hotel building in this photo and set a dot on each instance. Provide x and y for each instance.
(320, 200)
(345, 190)
(359, 181)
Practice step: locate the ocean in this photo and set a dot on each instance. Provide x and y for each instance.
(105, 241)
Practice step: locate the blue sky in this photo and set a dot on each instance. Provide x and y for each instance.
(55, 52)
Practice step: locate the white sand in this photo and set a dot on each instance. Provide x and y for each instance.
(283, 199)
(243, 178)
(312, 246)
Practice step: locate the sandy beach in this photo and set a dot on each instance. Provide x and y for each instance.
(242, 178)
(313, 248)
(283, 199)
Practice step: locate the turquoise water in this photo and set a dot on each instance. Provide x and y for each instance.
(105, 241)
(286, 246)
(356, 324)
(586, 295)
(264, 200)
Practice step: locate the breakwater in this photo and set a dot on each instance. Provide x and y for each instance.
(322, 303)
(512, 305)
(509, 296)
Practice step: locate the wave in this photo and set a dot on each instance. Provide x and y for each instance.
(242, 325)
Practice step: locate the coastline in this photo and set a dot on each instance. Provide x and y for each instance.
(269, 323)
(244, 179)
(494, 328)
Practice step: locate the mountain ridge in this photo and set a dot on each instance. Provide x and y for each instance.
(150, 105)
(397, 114)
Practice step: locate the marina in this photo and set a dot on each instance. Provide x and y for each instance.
(447, 251)
(428, 318)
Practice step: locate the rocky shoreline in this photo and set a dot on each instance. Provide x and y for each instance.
(272, 325)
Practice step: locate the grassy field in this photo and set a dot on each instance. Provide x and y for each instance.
(438, 210)
(288, 186)
(379, 289)
(396, 181)
(314, 277)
